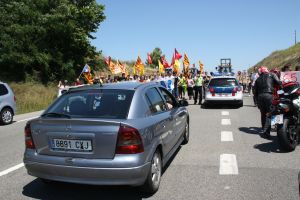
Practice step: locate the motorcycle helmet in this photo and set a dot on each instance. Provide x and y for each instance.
(263, 70)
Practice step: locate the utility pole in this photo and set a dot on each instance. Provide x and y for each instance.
(295, 37)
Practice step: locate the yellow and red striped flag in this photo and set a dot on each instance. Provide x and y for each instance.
(201, 66)
(86, 71)
(186, 62)
(161, 68)
(139, 66)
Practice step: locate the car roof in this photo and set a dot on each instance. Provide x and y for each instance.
(218, 77)
(117, 86)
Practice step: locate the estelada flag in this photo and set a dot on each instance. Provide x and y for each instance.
(149, 58)
(177, 55)
(107, 60)
(86, 71)
(186, 61)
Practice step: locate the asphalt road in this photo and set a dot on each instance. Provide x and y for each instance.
(225, 159)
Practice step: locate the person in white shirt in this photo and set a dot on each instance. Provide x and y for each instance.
(62, 85)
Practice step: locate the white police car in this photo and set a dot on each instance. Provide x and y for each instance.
(224, 90)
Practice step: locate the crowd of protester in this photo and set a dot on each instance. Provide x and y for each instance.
(180, 85)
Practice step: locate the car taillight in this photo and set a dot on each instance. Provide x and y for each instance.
(129, 141)
(212, 91)
(15, 99)
(28, 137)
(234, 90)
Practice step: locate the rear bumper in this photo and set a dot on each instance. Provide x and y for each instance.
(233, 102)
(224, 99)
(69, 172)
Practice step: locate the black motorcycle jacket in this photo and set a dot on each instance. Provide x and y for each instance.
(265, 83)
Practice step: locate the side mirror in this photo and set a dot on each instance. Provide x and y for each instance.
(183, 103)
(280, 92)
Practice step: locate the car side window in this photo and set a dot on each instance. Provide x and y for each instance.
(157, 104)
(3, 90)
(170, 100)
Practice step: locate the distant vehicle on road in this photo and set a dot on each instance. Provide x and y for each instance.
(8, 106)
(115, 134)
(225, 90)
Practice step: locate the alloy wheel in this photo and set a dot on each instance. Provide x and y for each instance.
(6, 116)
(156, 170)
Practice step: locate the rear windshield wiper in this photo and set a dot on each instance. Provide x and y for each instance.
(53, 114)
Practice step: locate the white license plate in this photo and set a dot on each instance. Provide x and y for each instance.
(72, 145)
(276, 119)
(223, 95)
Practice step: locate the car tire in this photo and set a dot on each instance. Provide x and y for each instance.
(152, 182)
(241, 104)
(186, 134)
(6, 116)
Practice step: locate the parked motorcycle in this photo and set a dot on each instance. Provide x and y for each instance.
(286, 116)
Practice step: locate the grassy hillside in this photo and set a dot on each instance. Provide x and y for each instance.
(280, 58)
(33, 96)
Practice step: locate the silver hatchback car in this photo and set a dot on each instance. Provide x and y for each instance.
(115, 134)
(7, 104)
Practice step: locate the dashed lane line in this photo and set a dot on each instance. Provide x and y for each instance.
(9, 170)
(228, 164)
(226, 136)
(225, 113)
(226, 122)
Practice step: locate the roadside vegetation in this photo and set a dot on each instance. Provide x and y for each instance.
(33, 96)
(280, 58)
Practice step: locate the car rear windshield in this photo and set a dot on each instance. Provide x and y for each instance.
(223, 82)
(111, 104)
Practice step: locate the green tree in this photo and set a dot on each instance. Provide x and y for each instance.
(155, 55)
(49, 39)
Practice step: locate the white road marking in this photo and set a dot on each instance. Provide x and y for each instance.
(225, 113)
(226, 122)
(226, 188)
(23, 120)
(11, 169)
(228, 165)
(226, 136)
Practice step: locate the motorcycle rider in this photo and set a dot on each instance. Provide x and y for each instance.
(264, 88)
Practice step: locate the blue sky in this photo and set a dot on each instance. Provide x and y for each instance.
(244, 30)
